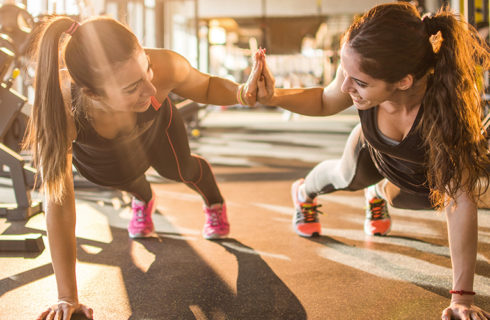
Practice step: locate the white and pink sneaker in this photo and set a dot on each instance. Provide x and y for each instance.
(141, 224)
(216, 225)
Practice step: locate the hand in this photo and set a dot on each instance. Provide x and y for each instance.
(63, 310)
(464, 312)
(249, 93)
(266, 83)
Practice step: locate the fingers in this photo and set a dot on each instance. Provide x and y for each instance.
(51, 315)
(88, 312)
(44, 314)
(254, 77)
(477, 316)
(257, 67)
(447, 314)
(64, 311)
(486, 315)
(268, 78)
(67, 314)
(256, 57)
(465, 315)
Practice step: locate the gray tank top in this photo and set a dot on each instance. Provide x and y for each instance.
(403, 163)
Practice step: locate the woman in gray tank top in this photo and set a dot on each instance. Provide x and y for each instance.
(416, 83)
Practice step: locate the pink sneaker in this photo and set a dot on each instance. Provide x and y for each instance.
(141, 225)
(305, 218)
(216, 225)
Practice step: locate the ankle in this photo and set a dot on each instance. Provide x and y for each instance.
(302, 196)
(217, 205)
(372, 192)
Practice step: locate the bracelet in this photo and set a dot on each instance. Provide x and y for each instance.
(239, 97)
(462, 292)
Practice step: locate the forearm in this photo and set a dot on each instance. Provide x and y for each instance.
(462, 223)
(222, 92)
(60, 222)
(306, 101)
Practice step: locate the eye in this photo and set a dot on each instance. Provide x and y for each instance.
(132, 90)
(361, 84)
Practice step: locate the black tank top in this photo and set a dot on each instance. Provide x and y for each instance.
(402, 164)
(118, 161)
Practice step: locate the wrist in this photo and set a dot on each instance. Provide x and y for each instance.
(274, 99)
(68, 300)
(240, 94)
(462, 296)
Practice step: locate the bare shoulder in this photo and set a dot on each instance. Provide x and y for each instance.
(65, 83)
(169, 67)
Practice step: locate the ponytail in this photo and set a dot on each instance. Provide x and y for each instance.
(453, 109)
(47, 134)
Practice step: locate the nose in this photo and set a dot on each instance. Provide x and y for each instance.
(347, 85)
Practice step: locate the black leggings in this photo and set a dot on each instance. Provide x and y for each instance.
(355, 171)
(170, 156)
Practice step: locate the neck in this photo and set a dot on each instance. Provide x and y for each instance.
(407, 100)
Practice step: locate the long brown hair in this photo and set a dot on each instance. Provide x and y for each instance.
(95, 43)
(394, 41)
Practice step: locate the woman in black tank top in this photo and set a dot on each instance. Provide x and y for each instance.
(109, 114)
(416, 83)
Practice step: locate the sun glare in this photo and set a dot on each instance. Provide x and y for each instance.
(36, 7)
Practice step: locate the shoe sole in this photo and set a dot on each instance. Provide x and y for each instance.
(140, 235)
(215, 236)
(378, 234)
(304, 235)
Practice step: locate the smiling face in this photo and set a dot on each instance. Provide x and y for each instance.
(129, 87)
(366, 92)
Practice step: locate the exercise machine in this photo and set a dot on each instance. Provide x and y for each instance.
(14, 32)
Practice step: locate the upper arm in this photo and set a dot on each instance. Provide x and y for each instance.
(65, 85)
(172, 72)
(333, 99)
(66, 206)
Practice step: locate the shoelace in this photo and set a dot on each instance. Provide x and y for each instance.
(310, 211)
(376, 207)
(140, 213)
(214, 217)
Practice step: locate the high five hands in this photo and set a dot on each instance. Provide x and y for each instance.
(260, 84)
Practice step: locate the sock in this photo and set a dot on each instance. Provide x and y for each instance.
(372, 192)
(214, 205)
(302, 194)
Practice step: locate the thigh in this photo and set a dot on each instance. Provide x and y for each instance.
(355, 170)
(402, 199)
(170, 153)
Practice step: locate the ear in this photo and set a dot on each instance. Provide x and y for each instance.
(405, 83)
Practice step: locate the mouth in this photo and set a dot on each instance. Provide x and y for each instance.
(356, 100)
(145, 102)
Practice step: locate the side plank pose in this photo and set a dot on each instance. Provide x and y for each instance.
(101, 104)
(416, 84)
